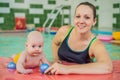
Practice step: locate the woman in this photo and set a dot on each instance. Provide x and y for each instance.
(79, 45)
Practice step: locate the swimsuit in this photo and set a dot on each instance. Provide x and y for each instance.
(65, 53)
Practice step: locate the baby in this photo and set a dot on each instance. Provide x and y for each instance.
(33, 55)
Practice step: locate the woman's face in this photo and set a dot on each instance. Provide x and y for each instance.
(84, 19)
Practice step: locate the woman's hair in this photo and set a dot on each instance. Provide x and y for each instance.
(90, 5)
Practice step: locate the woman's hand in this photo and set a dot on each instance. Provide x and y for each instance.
(57, 68)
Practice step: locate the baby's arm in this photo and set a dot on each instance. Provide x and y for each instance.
(44, 59)
(4, 62)
(19, 65)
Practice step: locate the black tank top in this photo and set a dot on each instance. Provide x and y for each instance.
(67, 54)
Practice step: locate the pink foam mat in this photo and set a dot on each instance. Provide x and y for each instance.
(5, 74)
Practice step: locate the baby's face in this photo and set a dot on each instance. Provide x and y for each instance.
(34, 48)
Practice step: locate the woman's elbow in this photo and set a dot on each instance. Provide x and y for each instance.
(109, 68)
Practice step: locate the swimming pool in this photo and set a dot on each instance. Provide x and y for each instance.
(14, 42)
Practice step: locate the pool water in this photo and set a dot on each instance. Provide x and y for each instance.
(113, 50)
(15, 43)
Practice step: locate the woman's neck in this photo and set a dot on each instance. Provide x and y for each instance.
(84, 36)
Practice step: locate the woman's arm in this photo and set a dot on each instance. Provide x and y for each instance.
(19, 66)
(59, 37)
(103, 64)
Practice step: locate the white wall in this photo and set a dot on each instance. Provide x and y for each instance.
(105, 12)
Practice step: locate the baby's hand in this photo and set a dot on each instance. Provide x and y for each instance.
(27, 71)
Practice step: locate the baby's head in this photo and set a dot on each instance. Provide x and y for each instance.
(34, 44)
(34, 36)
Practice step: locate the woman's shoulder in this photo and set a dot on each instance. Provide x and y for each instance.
(64, 29)
(97, 44)
(97, 47)
(61, 33)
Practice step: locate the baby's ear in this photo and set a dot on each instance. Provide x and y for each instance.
(26, 44)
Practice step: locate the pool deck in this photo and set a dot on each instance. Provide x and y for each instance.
(13, 32)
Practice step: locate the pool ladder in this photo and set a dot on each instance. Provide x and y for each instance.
(52, 16)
